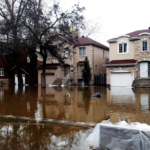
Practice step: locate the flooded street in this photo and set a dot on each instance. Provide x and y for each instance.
(73, 104)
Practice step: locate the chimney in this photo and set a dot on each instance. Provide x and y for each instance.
(82, 36)
(149, 28)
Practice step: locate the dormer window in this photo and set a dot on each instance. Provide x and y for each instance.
(66, 53)
(123, 48)
(28, 59)
(144, 45)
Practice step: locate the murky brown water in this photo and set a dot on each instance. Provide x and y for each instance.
(65, 103)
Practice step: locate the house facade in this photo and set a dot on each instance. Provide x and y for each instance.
(71, 71)
(129, 59)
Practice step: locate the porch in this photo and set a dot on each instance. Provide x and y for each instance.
(141, 83)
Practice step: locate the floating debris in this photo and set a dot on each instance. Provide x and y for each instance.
(96, 95)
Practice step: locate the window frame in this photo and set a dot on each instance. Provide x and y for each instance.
(123, 42)
(66, 54)
(142, 45)
(28, 59)
(2, 72)
(82, 53)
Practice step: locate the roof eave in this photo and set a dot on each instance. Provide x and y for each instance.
(134, 38)
(96, 45)
(112, 41)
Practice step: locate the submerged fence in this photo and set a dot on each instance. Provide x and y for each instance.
(100, 79)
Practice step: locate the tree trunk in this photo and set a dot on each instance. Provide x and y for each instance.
(43, 84)
(30, 77)
(20, 80)
(10, 78)
(43, 92)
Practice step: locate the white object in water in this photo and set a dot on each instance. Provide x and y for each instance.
(120, 136)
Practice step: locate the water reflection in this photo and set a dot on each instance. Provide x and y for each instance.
(65, 103)
(129, 104)
(42, 137)
(75, 103)
(72, 103)
(18, 103)
(121, 95)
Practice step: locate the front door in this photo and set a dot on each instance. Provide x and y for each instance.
(66, 69)
(144, 69)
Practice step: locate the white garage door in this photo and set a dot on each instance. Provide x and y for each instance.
(121, 79)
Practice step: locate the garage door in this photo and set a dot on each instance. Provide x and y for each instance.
(121, 79)
(49, 79)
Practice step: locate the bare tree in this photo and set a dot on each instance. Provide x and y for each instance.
(29, 26)
(12, 33)
(51, 30)
(92, 27)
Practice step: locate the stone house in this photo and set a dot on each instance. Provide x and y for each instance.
(129, 59)
(71, 71)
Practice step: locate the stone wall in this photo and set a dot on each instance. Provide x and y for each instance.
(132, 69)
(58, 73)
(77, 58)
(96, 57)
(139, 54)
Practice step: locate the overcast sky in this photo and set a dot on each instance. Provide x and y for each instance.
(116, 16)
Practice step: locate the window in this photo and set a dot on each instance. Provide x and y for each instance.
(1, 71)
(66, 53)
(144, 45)
(52, 56)
(123, 48)
(28, 59)
(82, 51)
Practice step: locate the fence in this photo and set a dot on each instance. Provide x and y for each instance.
(100, 79)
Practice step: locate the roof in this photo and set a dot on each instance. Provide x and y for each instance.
(127, 62)
(88, 41)
(134, 34)
(39, 63)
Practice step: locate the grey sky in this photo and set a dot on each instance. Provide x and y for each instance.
(116, 16)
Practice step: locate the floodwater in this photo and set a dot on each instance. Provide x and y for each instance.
(73, 104)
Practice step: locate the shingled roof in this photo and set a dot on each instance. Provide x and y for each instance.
(125, 62)
(133, 34)
(87, 41)
(49, 66)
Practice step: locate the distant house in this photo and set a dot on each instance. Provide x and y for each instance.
(129, 59)
(28, 70)
(71, 71)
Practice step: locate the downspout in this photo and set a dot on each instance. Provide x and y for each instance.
(93, 65)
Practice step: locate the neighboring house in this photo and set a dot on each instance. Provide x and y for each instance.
(71, 71)
(129, 59)
(3, 71)
(28, 68)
